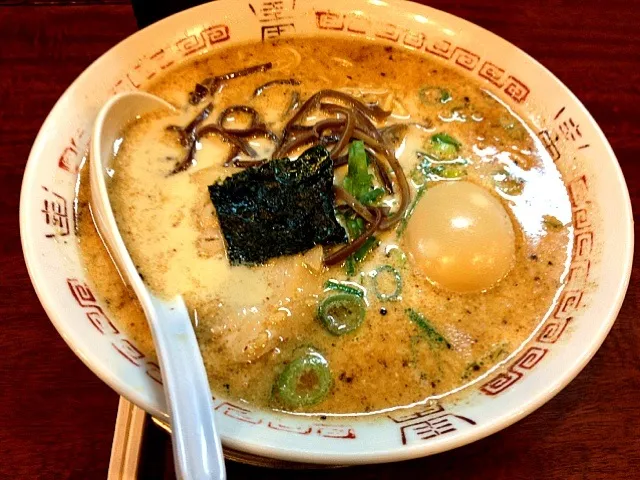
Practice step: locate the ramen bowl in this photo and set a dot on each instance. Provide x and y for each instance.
(569, 335)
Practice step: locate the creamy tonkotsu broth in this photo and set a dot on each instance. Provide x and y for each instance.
(448, 292)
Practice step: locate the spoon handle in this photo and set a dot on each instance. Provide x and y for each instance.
(197, 450)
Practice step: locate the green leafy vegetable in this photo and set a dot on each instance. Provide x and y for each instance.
(342, 313)
(358, 181)
(279, 208)
(387, 283)
(344, 287)
(443, 146)
(432, 334)
(305, 381)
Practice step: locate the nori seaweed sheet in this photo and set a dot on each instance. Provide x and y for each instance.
(279, 208)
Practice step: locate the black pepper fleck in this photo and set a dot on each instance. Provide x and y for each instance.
(383, 311)
(533, 257)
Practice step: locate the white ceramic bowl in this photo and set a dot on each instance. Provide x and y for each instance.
(569, 337)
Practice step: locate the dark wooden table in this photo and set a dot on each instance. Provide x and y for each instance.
(56, 417)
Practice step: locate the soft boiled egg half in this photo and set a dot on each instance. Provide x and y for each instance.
(461, 237)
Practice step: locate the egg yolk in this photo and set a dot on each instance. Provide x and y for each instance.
(461, 237)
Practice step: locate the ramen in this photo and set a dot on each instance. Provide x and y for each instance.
(353, 227)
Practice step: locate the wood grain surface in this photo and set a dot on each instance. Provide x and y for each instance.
(57, 417)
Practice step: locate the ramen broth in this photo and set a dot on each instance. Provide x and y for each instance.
(427, 331)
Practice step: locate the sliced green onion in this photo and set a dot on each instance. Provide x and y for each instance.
(396, 256)
(372, 196)
(434, 95)
(305, 381)
(444, 147)
(360, 254)
(432, 334)
(341, 313)
(350, 266)
(388, 275)
(355, 227)
(344, 287)
(407, 214)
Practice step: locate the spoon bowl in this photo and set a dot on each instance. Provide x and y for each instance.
(196, 444)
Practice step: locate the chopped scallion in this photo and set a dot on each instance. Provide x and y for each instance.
(432, 334)
(342, 313)
(344, 287)
(305, 381)
(387, 283)
(407, 215)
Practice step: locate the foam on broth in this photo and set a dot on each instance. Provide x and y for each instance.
(250, 321)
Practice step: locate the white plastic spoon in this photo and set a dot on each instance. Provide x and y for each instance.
(196, 445)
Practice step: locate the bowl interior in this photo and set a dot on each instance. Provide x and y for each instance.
(557, 351)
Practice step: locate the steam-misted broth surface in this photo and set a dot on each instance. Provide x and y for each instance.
(251, 321)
